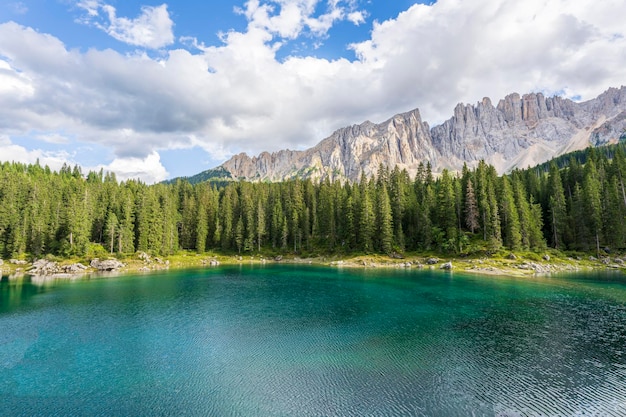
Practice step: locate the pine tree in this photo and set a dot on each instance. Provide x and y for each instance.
(384, 220)
(510, 217)
(367, 218)
(446, 212)
(239, 234)
(202, 226)
(112, 231)
(260, 224)
(592, 204)
(471, 210)
(556, 206)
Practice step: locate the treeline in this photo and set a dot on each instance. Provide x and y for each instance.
(579, 207)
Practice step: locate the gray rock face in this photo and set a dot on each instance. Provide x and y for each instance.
(519, 131)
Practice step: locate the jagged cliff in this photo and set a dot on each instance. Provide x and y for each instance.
(517, 132)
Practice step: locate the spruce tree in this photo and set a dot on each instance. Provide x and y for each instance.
(556, 206)
(384, 220)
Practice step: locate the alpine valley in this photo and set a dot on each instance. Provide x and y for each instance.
(518, 132)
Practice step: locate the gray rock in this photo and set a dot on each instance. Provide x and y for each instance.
(546, 257)
(447, 266)
(537, 268)
(511, 256)
(76, 268)
(17, 262)
(214, 262)
(44, 267)
(1, 262)
(431, 261)
(106, 265)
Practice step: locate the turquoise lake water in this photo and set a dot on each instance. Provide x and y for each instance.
(313, 341)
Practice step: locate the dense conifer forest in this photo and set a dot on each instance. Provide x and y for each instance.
(579, 204)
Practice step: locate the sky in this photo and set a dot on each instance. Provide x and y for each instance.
(154, 90)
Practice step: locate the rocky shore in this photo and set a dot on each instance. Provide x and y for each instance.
(511, 264)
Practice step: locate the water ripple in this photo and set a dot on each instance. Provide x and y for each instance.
(285, 341)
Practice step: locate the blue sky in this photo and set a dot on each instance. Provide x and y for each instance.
(155, 90)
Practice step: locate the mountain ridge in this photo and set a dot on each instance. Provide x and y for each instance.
(518, 132)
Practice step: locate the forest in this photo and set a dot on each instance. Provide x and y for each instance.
(576, 205)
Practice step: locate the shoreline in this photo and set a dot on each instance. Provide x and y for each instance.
(510, 265)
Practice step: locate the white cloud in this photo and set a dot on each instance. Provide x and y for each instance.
(12, 83)
(18, 7)
(148, 169)
(54, 138)
(357, 17)
(289, 18)
(239, 97)
(153, 28)
(15, 153)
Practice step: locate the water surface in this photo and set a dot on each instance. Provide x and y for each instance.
(312, 341)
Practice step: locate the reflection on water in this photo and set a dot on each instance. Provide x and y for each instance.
(314, 341)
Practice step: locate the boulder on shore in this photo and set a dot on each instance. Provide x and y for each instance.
(106, 265)
(43, 267)
(76, 268)
(446, 266)
(432, 261)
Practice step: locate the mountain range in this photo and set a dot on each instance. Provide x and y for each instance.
(518, 132)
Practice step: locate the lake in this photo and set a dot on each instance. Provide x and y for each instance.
(284, 340)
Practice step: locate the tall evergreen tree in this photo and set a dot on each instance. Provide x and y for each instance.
(556, 206)
(384, 220)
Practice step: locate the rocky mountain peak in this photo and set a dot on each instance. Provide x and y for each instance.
(517, 132)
